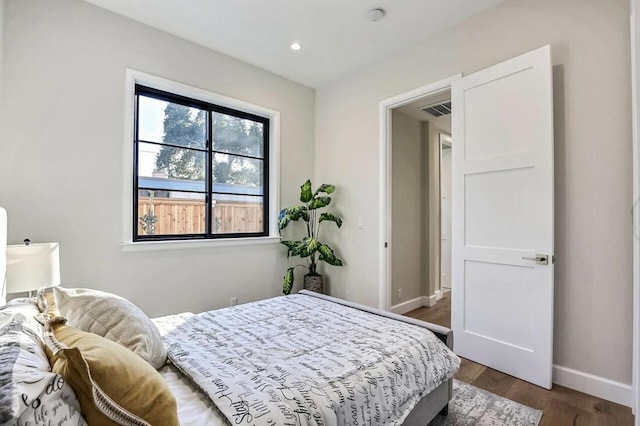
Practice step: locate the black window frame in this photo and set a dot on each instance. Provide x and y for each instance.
(210, 108)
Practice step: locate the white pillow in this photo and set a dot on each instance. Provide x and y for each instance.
(114, 318)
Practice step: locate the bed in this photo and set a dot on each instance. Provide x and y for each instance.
(303, 359)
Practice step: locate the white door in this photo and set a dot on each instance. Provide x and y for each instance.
(502, 304)
(445, 211)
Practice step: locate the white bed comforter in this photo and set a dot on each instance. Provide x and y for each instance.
(299, 360)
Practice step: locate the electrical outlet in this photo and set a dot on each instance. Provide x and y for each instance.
(399, 294)
(233, 301)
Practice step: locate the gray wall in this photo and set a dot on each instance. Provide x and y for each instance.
(408, 217)
(61, 152)
(590, 48)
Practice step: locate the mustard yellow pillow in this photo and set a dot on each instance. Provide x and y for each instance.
(46, 304)
(113, 384)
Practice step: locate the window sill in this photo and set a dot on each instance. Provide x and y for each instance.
(192, 244)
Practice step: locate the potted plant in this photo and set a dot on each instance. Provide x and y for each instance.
(310, 247)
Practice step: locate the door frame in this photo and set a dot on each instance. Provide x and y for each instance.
(444, 139)
(385, 231)
(635, 210)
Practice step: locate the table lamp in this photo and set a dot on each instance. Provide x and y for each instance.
(32, 266)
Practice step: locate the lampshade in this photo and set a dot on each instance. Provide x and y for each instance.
(32, 266)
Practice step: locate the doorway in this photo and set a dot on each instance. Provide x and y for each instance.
(421, 202)
(431, 107)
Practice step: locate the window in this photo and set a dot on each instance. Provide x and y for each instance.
(201, 170)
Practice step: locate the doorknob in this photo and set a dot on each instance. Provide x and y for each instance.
(540, 259)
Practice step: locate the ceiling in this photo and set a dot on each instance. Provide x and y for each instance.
(414, 109)
(337, 37)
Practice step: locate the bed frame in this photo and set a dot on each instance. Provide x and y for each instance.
(436, 402)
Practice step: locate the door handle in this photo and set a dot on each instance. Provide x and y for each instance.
(540, 259)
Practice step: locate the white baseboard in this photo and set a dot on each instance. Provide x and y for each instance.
(408, 306)
(430, 300)
(610, 390)
(418, 302)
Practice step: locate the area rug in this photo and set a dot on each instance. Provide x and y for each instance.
(473, 406)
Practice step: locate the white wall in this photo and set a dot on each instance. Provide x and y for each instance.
(433, 129)
(1, 41)
(407, 213)
(590, 45)
(445, 218)
(61, 151)
(443, 123)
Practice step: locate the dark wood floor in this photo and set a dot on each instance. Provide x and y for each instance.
(561, 406)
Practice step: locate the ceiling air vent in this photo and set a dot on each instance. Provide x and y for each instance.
(439, 109)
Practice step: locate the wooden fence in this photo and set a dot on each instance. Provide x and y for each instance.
(175, 217)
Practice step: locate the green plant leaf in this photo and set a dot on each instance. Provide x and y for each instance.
(292, 245)
(332, 218)
(295, 212)
(283, 221)
(305, 192)
(326, 188)
(289, 243)
(308, 246)
(292, 214)
(327, 255)
(287, 284)
(296, 250)
(319, 202)
(312, 245)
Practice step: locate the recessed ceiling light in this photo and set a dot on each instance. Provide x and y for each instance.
(296, 46)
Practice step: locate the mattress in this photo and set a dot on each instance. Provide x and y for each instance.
(194, 407)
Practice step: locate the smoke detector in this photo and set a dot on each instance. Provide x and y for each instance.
(375, 14)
